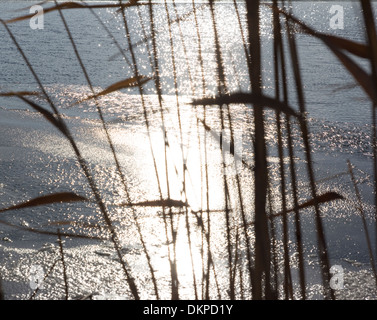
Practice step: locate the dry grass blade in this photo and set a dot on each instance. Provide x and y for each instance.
(123, 84)
(337, 45)
(59, 122)
(321, 239)
(156, 32)
(358, 49)
(48, 115)
(73, 5)
(362, 77)
(49, 199)
(326, 197)
(108, 220)
(370, 28)
(157, 203)
(29, 7)
(63, 264)
(130, 3)
(51, 233)
(259, 100)
(19, 93)
(262, 242)
(363, 218)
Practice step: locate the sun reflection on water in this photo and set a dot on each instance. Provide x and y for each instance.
(170, 163)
